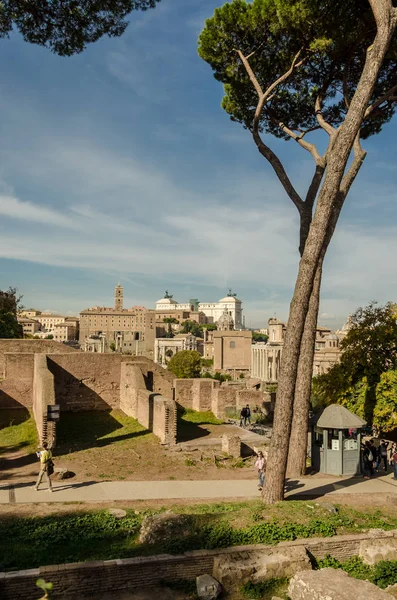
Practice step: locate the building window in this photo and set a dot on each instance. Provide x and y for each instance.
(232, 344)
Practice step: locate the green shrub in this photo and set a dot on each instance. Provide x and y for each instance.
(385, 573)
(263, 589)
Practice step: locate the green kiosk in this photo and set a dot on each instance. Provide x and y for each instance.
(336, 441)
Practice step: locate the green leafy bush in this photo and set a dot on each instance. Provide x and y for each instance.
(383, 574)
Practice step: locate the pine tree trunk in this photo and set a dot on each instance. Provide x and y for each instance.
(331, 189)
(296, 466)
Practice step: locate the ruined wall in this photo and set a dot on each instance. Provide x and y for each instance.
(131, 380)
(145, 408)
(202, 390)
(158, 380)
(165, 419)
(86, 381)
(223, 398)
(31, 346)
(43, 396)
(184, 392)
(17, 388)
(95, 578)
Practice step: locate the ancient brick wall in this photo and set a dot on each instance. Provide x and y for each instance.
(86, 381)
(32, 347)
(184, 392)
(202, 394)
(165, 419)
(131, 380)
(223, 398)
(145, 408)
(43, 396)
(17, 388)
(95, 578)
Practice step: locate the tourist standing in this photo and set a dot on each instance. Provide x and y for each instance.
(395, 462)
(383, 453)
(45, 456)
(243, 416)
(260, 465)
(368, 460)
(248, 414)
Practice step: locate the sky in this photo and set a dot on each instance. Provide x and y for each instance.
(119, 165)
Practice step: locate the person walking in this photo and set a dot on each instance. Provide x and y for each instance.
(392, 450)
(45, 456)
(243, 416)
(395, 463)
(260, 465)
(247, 415)
(383, 453)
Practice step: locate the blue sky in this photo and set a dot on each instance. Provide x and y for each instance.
(119, 165)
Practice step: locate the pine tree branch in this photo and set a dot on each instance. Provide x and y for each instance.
(389, 95)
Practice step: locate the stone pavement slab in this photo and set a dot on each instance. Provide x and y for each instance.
(309, 487)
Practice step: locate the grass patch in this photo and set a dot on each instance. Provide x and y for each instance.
(202, 418)
(31, 542)
(383, 574)
(265, 590)
(17, 434)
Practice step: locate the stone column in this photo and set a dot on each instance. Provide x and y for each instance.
(274, 366)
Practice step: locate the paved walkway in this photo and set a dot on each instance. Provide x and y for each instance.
(310, 487)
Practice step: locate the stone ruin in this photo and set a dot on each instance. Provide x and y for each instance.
(38, 374)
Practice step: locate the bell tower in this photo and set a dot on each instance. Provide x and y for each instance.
(118, 297)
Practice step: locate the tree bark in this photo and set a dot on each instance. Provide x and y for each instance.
(331, 190)
(296, 466)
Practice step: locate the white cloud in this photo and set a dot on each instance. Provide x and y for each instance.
(27, 211)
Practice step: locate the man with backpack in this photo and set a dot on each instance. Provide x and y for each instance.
(46, 466)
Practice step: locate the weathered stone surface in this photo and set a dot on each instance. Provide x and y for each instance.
(119, 513)
(231, 444)
(158, 528)
(332, 584)
(208, 588)
(64, 474)
(372, 551)
(392, 590)
(260, 565)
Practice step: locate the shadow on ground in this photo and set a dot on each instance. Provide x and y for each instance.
(82, 430)
(188, 431)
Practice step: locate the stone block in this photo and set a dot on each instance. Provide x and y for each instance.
(207, 587)
(259, 565)
(332, 584)
(231, 444)
(372, 551)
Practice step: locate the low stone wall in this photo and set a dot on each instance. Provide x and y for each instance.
(43, 396)
(17, 387)
(30, 347)
(184, 392)
(202, 391)
(95, 578)
(131, 380)
(165, 419)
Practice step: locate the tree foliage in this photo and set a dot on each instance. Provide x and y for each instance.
(66, 27)
(368, 351)
(185, 364)
(385, 411)
(192, 327)
(259, 337)
(332, 36)
(9, 305)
